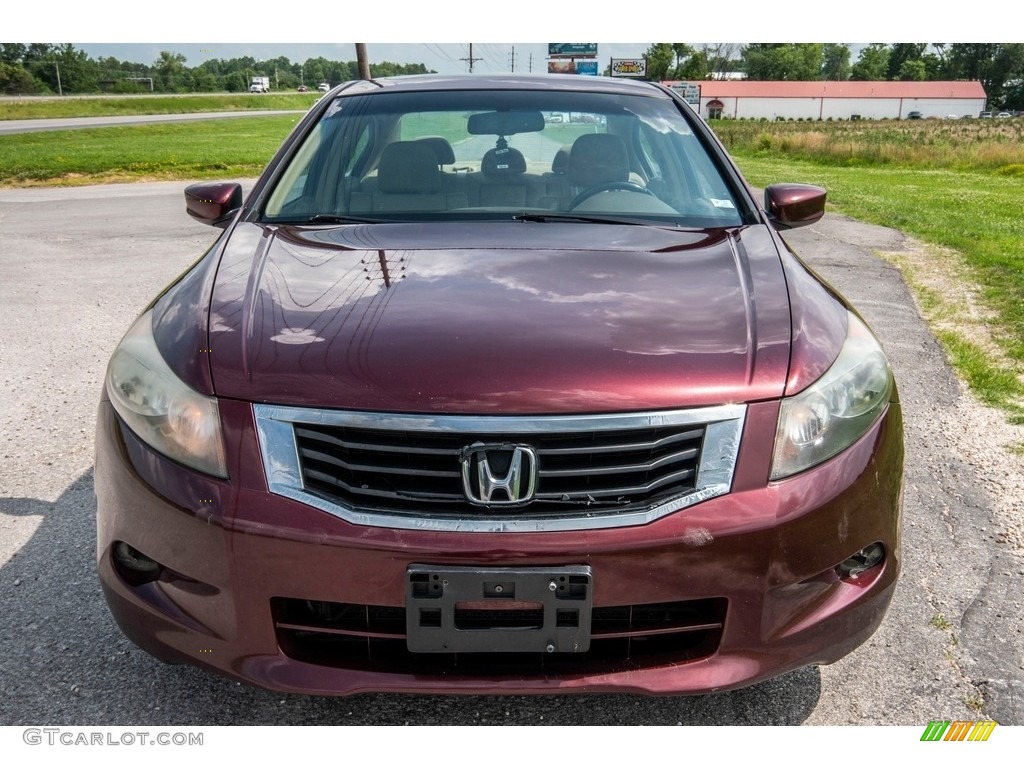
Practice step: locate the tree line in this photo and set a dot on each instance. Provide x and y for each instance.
(45, 68)
(999, 66)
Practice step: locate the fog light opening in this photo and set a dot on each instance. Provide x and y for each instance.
(854, 566)
(134, 567)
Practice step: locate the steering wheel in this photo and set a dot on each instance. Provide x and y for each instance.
(625, 186)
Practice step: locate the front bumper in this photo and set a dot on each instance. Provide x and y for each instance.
(721, 595)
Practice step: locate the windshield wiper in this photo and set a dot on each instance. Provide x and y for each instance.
(582, 218)
(332, 218)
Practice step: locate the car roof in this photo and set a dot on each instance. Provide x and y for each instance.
(578, 83)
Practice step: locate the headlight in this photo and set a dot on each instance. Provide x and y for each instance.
(837, 409)
(160, 408)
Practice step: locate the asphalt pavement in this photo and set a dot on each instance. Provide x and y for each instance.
(77, 265)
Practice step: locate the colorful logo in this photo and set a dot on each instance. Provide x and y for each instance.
(958, 730)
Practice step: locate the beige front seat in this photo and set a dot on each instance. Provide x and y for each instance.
(409, 179)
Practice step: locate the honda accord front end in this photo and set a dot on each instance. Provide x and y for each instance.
(467, 399)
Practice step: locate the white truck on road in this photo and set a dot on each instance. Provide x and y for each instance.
(259, 85)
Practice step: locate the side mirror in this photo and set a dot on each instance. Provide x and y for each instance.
(213, 202)
(794, 205)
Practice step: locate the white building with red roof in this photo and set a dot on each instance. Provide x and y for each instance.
(839, 100)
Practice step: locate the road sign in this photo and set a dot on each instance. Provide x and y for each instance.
(629, 67)
(689, 91)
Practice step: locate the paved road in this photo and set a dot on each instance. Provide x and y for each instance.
(78, 264)
(64, 123)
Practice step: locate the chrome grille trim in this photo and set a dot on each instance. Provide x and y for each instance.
(723, 426)
(614, 470)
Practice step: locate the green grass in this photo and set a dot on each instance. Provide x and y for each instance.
(208, 149)
(978, 214)
(450, 125)
(26, 109)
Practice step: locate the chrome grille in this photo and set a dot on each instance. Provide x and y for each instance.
(420, 471)
(402, 470)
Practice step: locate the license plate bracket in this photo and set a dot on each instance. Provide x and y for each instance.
(459, 609)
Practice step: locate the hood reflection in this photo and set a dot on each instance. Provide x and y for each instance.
(480, 327)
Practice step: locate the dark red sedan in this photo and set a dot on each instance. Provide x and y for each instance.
(499, 385)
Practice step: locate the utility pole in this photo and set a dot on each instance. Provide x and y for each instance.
(470, 59)
(513, 58)
(531, 64)
(362, 61)
(60, 91)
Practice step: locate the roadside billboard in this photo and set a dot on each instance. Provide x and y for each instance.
(629, 67)
(570, 67)
(562, 67)
(572, 50)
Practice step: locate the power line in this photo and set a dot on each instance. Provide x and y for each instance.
(437, 50)
(495, 59)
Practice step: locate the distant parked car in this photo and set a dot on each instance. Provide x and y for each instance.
(324, 87)
(985, 114)
(303, 89)
(914, 115)
(1004, 114)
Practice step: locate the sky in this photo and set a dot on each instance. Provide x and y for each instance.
(418, 32)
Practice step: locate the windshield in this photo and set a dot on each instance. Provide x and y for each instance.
(547, 155)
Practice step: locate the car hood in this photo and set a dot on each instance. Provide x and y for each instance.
(487, 317)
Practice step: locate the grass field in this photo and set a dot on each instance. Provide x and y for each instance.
(231, 148)
(957, 184)
(26, 109)
(993, 145)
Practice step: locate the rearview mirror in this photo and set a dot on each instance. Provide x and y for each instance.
(505, 123)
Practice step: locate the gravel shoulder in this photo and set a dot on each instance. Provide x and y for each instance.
(963, 527)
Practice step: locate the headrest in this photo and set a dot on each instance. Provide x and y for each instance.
(597, 158)
(441, 148)
(560, 163)
(408, 167)
(503, 162)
